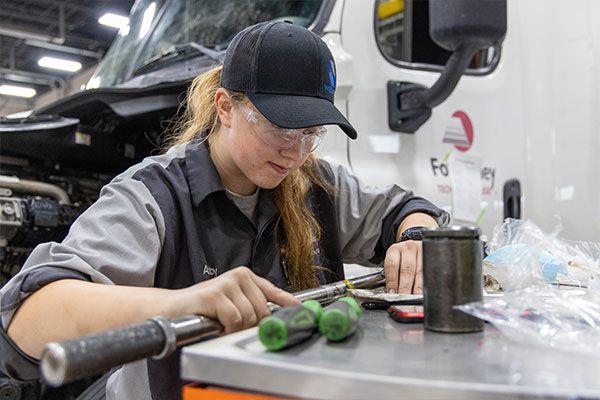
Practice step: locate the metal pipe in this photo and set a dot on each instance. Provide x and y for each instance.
(11, 58)
(35, 187)
(61, 23)
(156, 337)
(31, 77)
(21, 34)
(338, 289)
(65, 49)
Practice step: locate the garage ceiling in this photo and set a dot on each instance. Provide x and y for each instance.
(31, 29)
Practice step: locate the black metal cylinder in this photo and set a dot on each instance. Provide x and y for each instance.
(452, 258)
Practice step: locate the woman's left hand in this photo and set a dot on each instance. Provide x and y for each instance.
(403, 267)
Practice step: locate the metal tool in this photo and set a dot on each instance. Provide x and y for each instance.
(157, 337)
(384, 305)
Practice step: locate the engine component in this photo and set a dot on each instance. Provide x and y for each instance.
(34, 187)
(27, 222)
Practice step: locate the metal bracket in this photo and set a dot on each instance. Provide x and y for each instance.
(402, 117)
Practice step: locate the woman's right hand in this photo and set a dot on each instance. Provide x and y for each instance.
(238, 299)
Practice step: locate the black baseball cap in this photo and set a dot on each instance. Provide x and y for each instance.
(287, 72)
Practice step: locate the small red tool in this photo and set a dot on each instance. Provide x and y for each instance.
(406, 314)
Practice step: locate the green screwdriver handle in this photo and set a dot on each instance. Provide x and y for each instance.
(340, 319)
(289, 325)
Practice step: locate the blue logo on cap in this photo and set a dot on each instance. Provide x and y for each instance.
(331, 86)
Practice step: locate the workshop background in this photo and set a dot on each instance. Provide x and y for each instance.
(506, 143)
(35, 30)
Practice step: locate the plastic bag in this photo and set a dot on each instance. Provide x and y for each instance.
(540, 275)
(522, 255)
(564, 319)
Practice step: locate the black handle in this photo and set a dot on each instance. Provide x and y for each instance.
(512, 199)
(81, 357)
(384, 304)
(88, 355)
(288, 326)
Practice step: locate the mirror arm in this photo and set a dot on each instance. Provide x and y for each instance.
(454, 69)
(410, 104)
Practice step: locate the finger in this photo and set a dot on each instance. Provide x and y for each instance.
(418, 286)
(245, 307)
(229, 316)
(391, 266)
(256, 297)
(273, 293)
(408, 268)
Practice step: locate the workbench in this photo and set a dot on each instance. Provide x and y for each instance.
(385, 359)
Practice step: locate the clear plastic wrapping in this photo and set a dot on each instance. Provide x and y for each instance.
(522, 255)
(551, 288)
(567, 320)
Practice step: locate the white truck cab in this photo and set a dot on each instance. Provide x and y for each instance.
(526, 115)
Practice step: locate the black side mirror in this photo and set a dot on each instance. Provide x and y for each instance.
(462, 27)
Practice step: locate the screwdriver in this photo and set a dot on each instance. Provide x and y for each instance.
(290, 325)
(340, 319)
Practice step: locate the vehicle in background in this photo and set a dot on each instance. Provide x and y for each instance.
(522, 117)
(525, 113)
(518, 136)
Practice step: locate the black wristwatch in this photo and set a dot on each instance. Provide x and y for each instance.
(413, 233)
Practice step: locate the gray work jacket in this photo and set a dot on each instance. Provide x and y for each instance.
(168, 222)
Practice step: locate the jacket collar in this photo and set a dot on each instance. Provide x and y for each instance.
(203, 176)
(204, 179)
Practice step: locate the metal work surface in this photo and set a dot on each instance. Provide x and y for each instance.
(385, 359)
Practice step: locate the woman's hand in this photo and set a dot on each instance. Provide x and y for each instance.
(403, 264)
(238, 299)
(403, 267)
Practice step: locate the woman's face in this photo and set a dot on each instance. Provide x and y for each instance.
(262, 163)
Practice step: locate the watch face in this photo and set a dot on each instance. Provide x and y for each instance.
(413, 233)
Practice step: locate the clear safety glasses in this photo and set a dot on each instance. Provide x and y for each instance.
(283, 138)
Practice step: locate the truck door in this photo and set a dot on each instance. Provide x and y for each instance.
(480, 122)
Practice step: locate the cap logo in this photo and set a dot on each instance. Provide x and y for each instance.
(331, 86)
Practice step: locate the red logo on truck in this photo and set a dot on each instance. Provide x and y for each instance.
(459, 132)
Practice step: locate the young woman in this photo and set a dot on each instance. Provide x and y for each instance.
(237, 213)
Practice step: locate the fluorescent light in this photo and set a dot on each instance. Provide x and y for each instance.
(19, 91)
(114, 20)
(59, 63)
(94, 83)
(124, 31)
(147, 19)
(20, 114)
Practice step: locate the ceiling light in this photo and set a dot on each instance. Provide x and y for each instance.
(59, 63)
(124, 31)
(94, 83)
(114, 20)
(19, 91)
(20, 114)
(147, 19)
